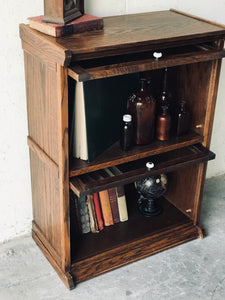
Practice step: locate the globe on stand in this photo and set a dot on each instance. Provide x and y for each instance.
(150, 189)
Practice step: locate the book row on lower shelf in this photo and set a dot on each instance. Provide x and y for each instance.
(98, 210)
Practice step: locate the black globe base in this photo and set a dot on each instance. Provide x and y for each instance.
(150, 208)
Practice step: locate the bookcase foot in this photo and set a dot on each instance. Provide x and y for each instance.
(66, 277)
(201, 231)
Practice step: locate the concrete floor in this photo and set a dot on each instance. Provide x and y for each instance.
(195, 270)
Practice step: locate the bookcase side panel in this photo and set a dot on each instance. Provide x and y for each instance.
(43, 119)
(46, 209)
(197, 84)
(43, 129)
(211, 105)
(183, 189)
(63, 139)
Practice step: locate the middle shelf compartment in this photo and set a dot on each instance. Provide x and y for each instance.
(122, 174)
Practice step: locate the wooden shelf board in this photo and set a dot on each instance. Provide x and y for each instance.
(115, 156)
(129, 172)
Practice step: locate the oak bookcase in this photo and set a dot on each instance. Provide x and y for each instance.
(192, 49)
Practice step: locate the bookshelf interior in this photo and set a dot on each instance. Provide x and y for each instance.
(192, 54)
(88, 245)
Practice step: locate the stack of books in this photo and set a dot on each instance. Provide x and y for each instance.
(105, 208)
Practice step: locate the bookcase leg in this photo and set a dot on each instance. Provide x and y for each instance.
(66, 277)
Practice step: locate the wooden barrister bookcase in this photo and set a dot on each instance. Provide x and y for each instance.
(192, 49)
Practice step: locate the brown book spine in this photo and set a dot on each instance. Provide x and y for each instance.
(114, 205)
(106, 208)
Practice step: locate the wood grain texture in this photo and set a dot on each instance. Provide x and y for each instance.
(43, 120)
(143, 247)
(164, 163)
(197, 18)
(211, 101)
(114, 155)
(66, 277)
(194, 77)
(41, 236)
(81, 74)
(144, 31)
(38, 53)
(41, 88)
(49, 48)
(63, 141)
(41, 154)
(45, 198)
(192, 84)
(126, 34)
(182, 189)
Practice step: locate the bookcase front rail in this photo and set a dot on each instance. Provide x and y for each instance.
(84, 72)
(130, 172)
(115, 155)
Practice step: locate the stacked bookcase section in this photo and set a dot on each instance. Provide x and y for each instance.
(67, 189)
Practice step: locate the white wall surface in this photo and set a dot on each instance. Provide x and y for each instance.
(15, 194)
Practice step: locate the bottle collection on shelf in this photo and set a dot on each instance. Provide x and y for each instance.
(148, 118)
(105, 208)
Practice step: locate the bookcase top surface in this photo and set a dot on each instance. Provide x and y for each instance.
(125, 33)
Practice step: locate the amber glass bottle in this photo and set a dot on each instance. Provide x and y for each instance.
(163, 125)
(182, 119)
(164, 98)
(141, 106)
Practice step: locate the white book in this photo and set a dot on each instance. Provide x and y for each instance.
(80, 132)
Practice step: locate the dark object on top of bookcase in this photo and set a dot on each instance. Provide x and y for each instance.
(62, 11)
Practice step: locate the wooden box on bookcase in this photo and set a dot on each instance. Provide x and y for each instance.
(62, 11)
(192, 50)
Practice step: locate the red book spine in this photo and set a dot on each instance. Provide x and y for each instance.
(98, 211)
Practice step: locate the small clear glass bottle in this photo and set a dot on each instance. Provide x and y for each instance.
(126, 137)
(142, 108)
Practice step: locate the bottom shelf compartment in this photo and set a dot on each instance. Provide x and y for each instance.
(96, 253)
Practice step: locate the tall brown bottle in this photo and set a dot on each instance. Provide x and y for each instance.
(164, 98)
(142, 108)
(163, 125)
